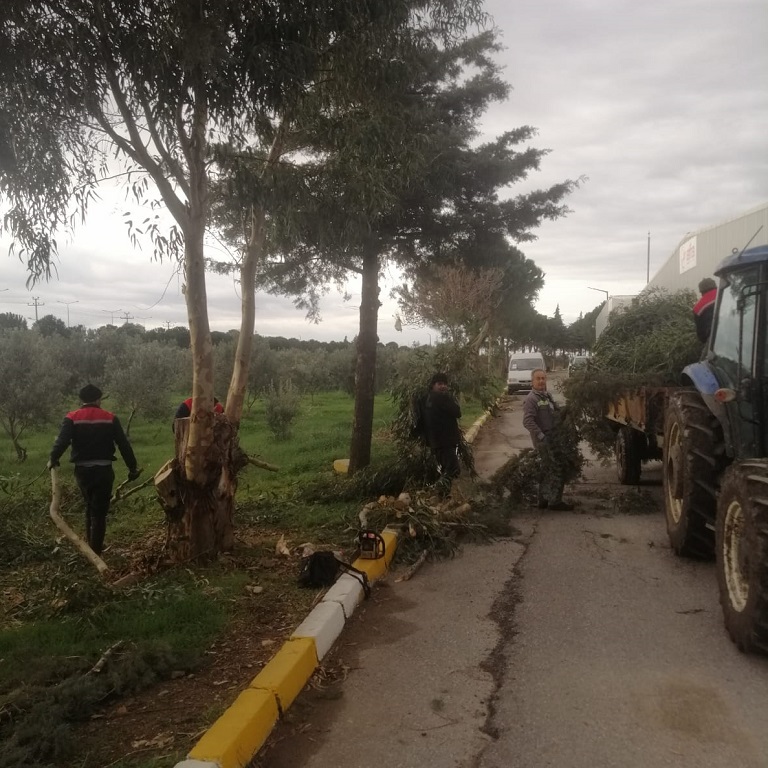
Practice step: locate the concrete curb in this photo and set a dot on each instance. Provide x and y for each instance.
(471, 433)
(233, 740)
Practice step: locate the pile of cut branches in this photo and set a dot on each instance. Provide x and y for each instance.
(560, 455)
(647, 344)
(425, 522)
(654, 337)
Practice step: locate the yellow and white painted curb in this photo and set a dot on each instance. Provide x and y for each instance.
(233, 740)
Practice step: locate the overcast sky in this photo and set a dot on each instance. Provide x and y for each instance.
(661, 104)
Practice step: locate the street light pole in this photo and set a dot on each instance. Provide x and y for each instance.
(112, 312)
(68, 303)
(602, 290)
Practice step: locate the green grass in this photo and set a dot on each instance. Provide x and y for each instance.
(57, 617)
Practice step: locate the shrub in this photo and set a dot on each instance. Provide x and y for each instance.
(282, 407)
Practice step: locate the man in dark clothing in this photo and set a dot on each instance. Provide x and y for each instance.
(704, 309)
(93, 433)
(185, 409)
(441, 415)
(539, 418)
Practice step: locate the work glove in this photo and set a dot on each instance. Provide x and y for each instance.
(51, 464)
(133, 474)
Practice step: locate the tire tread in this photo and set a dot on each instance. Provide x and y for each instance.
(749, 628)
(693, 534)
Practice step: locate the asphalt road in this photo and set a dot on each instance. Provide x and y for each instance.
(583, 642)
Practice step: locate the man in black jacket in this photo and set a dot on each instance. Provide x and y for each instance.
(704, 309)
(441, 416)
(93, 433)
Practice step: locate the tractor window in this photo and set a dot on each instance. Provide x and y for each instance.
(726, 343)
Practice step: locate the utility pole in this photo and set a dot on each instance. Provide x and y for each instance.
(36, 303)
(126, 316)
(648, 262)
(167, 324)
(68, 303)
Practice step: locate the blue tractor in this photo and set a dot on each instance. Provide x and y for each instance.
(715, 450)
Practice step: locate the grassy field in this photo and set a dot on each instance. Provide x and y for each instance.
(58, 618)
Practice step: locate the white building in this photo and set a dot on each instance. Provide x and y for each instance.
(613, 302)
(699, 253)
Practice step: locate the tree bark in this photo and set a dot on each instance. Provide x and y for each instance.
(200, 523)
(365, 367)
(254, 254)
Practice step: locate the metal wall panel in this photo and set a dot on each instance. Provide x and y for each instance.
(712, 245)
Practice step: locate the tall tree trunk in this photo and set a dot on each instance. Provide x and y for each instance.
(200, 515)
(365, 368)
(201, 523)
(254, 254)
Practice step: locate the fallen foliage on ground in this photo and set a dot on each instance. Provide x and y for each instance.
(427, 521)
(520, 476)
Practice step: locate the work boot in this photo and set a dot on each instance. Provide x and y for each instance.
(561, 506)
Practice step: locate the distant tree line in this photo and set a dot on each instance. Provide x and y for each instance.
(143, 370)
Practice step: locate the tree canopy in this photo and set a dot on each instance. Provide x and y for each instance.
(151, 89)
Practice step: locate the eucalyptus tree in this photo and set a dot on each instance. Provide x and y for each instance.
(156, 85)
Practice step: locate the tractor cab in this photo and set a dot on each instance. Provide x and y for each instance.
(738, 350)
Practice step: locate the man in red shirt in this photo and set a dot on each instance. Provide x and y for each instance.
(704, 309)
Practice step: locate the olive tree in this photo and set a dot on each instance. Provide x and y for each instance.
(140, 379)
(30, 385)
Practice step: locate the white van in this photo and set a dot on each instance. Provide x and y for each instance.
(521, 367)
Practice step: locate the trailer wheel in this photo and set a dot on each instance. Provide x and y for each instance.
(692, 467)
(742, 553)
(630, 447)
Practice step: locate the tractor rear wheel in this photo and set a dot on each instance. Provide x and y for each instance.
(741, 552)
(692, 466)
(630, 449)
